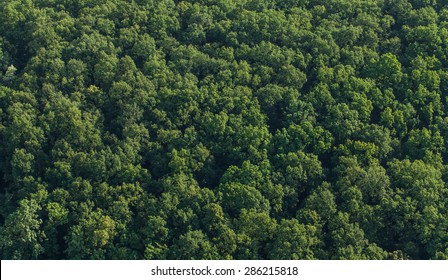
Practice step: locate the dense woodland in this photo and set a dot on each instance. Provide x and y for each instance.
(224, 129)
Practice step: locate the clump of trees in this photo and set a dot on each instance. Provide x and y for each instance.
(249, 129)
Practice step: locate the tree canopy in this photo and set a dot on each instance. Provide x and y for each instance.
(199, 129)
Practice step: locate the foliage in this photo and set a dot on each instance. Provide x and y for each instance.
(254, 129)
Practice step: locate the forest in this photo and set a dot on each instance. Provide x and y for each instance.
(224, 129)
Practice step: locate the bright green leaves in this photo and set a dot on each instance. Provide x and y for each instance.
(415, 216)
(223, 129)
(236, 196)
(386, 70)
(91, 237)
(56, 213)
(293, 241)
(21, 235)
